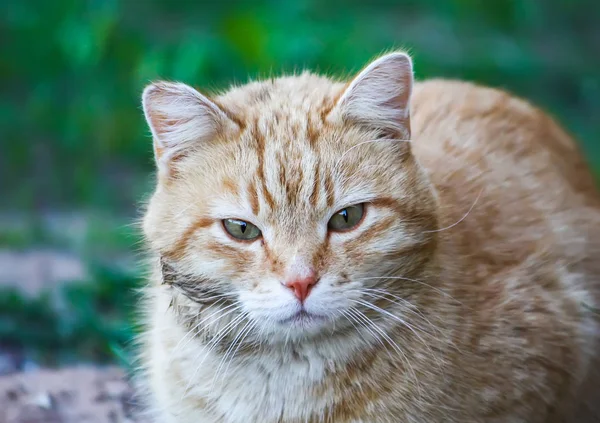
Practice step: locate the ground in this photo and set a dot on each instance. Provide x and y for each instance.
(32, 393)
(70, 395)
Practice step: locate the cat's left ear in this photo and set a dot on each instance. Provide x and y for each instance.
(181, 120)
(379, 96)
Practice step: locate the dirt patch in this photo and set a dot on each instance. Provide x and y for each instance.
(34, 271)
(72, 395)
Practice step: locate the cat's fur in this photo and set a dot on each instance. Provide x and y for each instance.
(467, 294)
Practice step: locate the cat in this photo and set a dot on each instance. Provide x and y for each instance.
(372, 250)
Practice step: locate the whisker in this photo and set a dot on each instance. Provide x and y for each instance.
(240, 343)
(347, 316)
(222, 296)
(211, 345)
(353, 312)
(204, 320)
(193, 329)
(229, 350)
(461, 219)
(418, 313)
(410, 369)
(410, 308)
(393, 316)
(444, 293)
(399, 320)
(383, 293)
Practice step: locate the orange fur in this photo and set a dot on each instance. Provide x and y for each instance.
(472, 279)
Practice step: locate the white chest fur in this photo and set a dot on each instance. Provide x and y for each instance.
(192, 384)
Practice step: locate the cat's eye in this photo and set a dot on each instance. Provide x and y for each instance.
(241, 229)
(347, 218)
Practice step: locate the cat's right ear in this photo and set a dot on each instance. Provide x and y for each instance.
(180, 118)
(379, 96)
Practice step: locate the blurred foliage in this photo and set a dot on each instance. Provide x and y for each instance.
(71, 72)
(85, 321)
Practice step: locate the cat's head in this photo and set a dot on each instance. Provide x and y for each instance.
(296, 197)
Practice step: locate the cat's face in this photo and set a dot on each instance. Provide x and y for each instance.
(289, 198)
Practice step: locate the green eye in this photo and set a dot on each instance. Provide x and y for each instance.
(347, 218)
(240, 229)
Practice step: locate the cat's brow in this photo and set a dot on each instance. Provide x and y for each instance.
(253, 198)
(178, 250)
(337, 164)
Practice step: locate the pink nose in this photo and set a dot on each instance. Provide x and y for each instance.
(302, 286)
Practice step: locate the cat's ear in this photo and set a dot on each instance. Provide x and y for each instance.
(180, 118)
(379, 96)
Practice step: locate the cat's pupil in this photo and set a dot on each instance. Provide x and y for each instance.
(344, 214)
(243, 227)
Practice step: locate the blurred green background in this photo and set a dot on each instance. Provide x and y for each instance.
(75, 155)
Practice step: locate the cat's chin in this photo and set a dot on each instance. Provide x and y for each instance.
(305, 322)
(303, 317)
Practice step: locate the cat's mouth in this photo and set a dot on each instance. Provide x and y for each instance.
(303, 317)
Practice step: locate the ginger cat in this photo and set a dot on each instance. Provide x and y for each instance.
(369, 251)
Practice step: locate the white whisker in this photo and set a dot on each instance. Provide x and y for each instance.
(397, 319)
(394, 345)
(444, 293)
(190, 334)
(461, 219)
(229, 350)
(247, 331)
(410, 308)
(211, 345)
(366, 324)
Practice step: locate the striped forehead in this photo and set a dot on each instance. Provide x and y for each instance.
(290, 170)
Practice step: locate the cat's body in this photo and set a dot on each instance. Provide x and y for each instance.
(466, 293)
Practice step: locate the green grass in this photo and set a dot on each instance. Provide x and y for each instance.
(92, 321)
(87, 234)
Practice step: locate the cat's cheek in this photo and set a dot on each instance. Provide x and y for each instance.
(236, 258)
(267, 298)
(327, 301)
